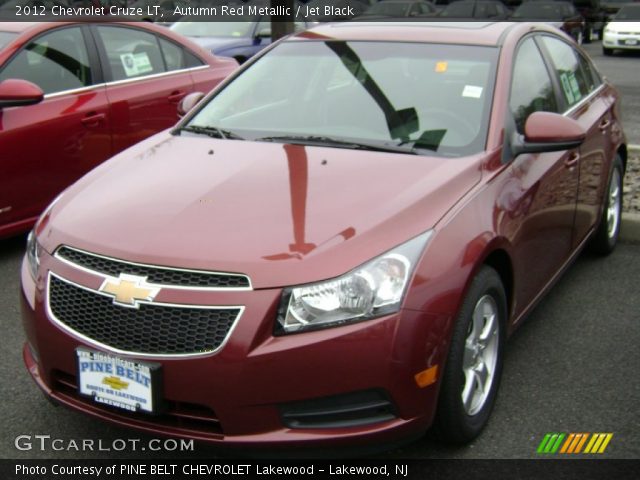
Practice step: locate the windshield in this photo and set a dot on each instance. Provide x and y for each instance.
(392, 9)
(540, 11)
(630, 12)
(458, 9)
(213, 29)
(6, 37)
(423, 96)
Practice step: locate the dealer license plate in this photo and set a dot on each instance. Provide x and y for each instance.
(631, 41)
(119, 382)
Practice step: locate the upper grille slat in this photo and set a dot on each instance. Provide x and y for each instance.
(154, 274)
(151, 329)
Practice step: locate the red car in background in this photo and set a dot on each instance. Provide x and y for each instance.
(74, 94)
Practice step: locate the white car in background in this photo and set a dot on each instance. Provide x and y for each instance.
(623, 32)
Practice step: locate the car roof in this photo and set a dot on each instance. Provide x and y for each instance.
(16, 27)
(463, 33)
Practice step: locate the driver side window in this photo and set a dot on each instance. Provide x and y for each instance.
(531, 88)
(56, 62)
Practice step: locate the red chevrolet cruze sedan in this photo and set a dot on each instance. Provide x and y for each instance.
(74, 94)
(333, 246)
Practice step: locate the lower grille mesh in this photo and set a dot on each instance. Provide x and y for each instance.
(151, 329)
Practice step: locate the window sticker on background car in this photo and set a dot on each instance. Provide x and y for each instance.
(441, 67)
(136, 63)
(566, 87)
(472, 91)
(570, 87)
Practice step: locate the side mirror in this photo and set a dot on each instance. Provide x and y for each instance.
(188, 102)
(19, 93)
(548, 132)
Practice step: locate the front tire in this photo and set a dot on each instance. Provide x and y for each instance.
(607, 51)
(474, 364)
(606, 237)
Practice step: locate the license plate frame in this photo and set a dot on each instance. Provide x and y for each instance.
(122, 383)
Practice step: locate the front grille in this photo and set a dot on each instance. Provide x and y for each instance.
(151, 329)
(188, 417)
(154, 274)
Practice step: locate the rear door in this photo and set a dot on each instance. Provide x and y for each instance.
(47, 146)
(581, 94)
(145, 81)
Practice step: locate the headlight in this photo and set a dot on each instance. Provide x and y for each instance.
(609, 30)
(371, 290)
(33, 254)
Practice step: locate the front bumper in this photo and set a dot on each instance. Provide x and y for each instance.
(622, 41)
(244, 393)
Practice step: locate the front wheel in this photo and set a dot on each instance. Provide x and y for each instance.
(474, 364)
(607, 51)
(606, 237)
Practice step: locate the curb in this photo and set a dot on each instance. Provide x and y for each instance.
(630, 228)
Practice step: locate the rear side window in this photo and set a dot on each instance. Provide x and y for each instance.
(131, 53)
(192, 61)
(575, 83)
(173, 55)
(56, 62)
(531, 88)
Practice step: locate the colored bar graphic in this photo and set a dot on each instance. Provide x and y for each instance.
(543, 443)
(553, 443)
(598, 442)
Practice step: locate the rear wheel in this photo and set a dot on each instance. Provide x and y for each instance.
(606, 237)
(474, 365)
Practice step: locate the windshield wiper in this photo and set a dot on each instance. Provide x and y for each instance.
(214, 132)
(320, 140)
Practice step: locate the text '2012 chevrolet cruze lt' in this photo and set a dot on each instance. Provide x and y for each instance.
(332, 247)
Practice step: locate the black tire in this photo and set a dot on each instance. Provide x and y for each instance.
(607, 51)
(606, 236)
(455, 422)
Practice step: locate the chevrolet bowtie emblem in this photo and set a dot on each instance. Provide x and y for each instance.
(129, 290)
(115, 383)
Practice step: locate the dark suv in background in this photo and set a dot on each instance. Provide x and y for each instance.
(592, 12)
(594, 16)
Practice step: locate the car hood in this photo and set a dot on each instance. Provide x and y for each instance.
(282, 214)
(624, 26)
(216, 44)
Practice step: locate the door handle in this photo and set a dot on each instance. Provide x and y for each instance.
(604, 124)
(573, 160)
(93, 119)
(176, 96)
